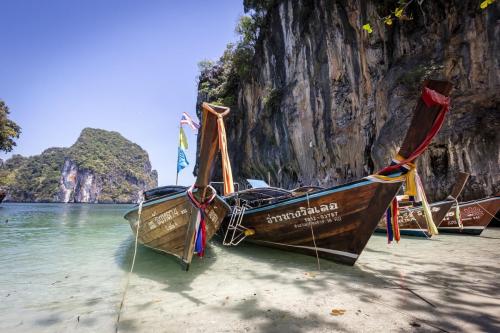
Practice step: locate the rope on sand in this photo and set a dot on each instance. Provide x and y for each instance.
(131, 267)
(312, 233)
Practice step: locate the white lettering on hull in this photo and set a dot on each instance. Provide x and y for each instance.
(166, 219)
(325, 213)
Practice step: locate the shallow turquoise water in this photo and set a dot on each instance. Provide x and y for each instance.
(58, 262)
(63, 269)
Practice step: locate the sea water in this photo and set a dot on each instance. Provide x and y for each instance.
(59, 263)
(63, 268)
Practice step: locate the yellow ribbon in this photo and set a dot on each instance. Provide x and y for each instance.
(413, 187)
(431, 226)
(227, 172)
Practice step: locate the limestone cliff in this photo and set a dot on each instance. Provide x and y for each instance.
(101, 167)
(326, 102)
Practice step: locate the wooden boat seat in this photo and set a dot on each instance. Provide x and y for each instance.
(299, 191)
(163, 191)
(256, 197)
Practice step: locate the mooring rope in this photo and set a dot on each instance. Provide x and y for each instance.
(312, 233)
(458, 216)
(487, 212)
(423, 230)
(132, 266)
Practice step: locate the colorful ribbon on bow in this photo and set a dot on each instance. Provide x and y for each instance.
(410, 176)
(200, 225)
(431, 98)
(392, 222)
(227, 173)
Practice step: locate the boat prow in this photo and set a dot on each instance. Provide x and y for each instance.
(475, 215)
(177, 220)
(165, 222)
(411, 219)
(337, 222)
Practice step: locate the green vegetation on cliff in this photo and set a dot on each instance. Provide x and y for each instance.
(9, 130)
(119, 169)
(219, 81)
(34, 178)
(106, 152)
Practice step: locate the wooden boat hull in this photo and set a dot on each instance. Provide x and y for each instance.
(495, 222)
(412, 222)
(169, 220)
(165, 221)
(334, 223)
(476, 215)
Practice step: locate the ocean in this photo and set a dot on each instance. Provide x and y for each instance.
(63, 268)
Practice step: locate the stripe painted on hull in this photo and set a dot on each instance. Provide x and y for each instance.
(407, 232)
(469, 227)
(168, 198)
(473, 202)
(471, 231)
(305, 197)
(415, 232)
(340, 253)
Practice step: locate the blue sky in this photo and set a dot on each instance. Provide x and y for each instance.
(121, 65)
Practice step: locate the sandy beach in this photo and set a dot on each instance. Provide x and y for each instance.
(149, 132)
(447, 284)
(63, 269)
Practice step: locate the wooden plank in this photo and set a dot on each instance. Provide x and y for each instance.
(341, 230)
(209, 142)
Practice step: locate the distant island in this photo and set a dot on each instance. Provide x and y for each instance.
(100, 167)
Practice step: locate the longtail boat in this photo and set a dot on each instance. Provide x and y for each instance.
(177, 220)
(411, 219)
(337, 222)
(475, 215)
(495, 220)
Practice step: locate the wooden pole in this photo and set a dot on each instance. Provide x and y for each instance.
(176, 166)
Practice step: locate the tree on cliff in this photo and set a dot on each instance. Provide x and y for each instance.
(9, 130)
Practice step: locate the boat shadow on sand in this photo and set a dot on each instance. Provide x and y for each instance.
(436, 294)
(436, 284)
(230, 264)
(163, 269)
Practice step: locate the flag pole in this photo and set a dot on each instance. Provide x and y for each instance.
(176, 165)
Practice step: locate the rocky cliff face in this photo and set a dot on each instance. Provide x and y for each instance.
(78, 185)
(327, 103)
(101, 167)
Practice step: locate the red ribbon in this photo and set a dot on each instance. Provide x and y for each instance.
(202, 206)
(431, 98)
(395, 212)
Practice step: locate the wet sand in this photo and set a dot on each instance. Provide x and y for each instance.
(450, 283)
(63, 269)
